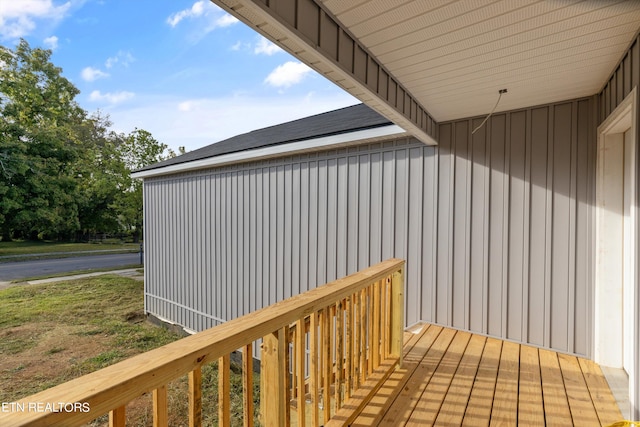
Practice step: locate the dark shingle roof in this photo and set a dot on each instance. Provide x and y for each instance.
(344, 120)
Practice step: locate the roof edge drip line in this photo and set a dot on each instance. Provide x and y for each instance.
(308, 145)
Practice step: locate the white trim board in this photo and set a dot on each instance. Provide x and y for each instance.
(308, 145)
(615, 303)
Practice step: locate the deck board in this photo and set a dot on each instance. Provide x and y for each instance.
(429, 404)
(580, 404)
(478, 411)
(455, 402)
(530, 405)
(406, 401)
(453, 378)
(414, 350)
(556, 407)
(505, 405)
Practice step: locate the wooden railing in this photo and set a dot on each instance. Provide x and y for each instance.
(321, 350)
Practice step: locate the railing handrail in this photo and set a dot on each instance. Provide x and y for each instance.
(118, 384)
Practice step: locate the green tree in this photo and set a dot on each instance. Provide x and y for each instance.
(137, 150)
(38, 145)
(171, 154)
(62, 172)
(102, 177)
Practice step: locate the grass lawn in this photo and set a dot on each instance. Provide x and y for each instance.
(20, 247)
(52, 333)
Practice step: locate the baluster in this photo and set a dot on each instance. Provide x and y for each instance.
(117, 417)
(349, 348)
(292, 360)
(387, 318)
(300, 356)
(356, 344)
(287, 377)
(247, 384)
(397, 314)
(224, 391)
(339, 354)
(326, 364)
(375, 341)
(160, 418)
(363, 335)
(195, 397)
(314, 383)
(370, 321)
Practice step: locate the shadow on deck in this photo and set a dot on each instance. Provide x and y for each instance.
(453, 378)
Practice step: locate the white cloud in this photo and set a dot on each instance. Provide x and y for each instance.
(187, 105)
(216, 17)
(90, 74)
(51, 42)
(287, 74)
(196, 10)
(111, 98)
(18, 17)
(225, 20)
(123, 58)
(265, 47)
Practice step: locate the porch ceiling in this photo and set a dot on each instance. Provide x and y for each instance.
(452, 56)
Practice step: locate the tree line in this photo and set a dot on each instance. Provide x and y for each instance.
(64, 174)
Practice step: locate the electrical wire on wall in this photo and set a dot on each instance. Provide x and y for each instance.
(500, 92)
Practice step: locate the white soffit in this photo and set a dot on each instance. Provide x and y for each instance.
(454, 56)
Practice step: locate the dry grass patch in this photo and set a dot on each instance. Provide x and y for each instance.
(55, 332)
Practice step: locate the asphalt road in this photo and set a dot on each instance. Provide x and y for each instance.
(23, 269)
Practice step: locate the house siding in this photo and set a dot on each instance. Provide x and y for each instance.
(515, 210)
(625, 76)
(493, 227)
(226, 241)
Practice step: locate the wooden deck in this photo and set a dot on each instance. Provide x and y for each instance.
(453, 378)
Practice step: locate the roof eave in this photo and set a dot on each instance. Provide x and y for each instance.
(366, 79)
(292, 148)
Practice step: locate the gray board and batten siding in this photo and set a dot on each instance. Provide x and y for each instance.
(495, 227)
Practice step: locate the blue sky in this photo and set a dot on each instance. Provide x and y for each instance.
(184, 70)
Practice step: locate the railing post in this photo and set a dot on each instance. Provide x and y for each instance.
(397, 313)
(273, 372)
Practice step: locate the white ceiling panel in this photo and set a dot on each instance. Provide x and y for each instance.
(378, 19)
(441, 69)
(454, 55)
(469, 43)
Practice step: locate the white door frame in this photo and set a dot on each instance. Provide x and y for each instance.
(616, 330)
